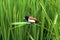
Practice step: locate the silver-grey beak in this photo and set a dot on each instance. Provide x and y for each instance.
(23, 18)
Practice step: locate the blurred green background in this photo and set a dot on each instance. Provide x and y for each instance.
(14, 11)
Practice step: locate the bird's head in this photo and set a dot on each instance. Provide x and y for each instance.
(26, 18)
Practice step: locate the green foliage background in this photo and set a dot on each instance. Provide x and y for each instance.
(13, 11)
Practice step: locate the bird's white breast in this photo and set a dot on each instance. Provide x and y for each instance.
(31, 20)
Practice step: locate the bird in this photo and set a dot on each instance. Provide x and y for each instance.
(31, 19)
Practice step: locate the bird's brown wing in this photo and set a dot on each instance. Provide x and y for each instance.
(36, 20)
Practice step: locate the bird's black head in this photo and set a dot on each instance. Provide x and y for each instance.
(26, 17)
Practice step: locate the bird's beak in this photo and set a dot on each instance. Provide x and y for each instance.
(24, 18)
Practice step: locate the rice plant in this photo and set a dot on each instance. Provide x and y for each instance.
(14, 27)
